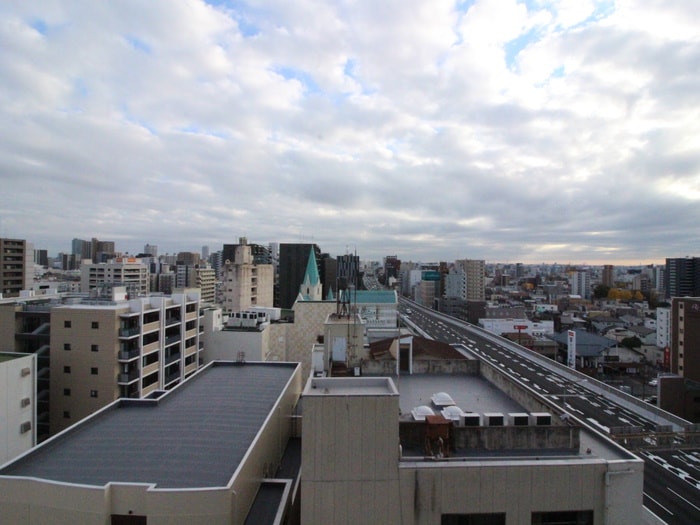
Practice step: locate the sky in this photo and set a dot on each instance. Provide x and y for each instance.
(539, 131)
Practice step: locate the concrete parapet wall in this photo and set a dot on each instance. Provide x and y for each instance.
(535, 438)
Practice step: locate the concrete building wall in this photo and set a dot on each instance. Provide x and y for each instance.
(518, 489)
(84, 367)
(350, 464)
(17, 404)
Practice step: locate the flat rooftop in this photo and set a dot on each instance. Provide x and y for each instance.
(471, 393)
(350, 386)
(194, 436)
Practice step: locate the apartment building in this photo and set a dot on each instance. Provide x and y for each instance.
(16, 262)
(107, 348)
(121, 271)
(17, 404)
(475, 269)
(245, 283)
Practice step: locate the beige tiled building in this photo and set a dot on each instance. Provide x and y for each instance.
(105, 349)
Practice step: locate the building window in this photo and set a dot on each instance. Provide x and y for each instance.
(66, 324)
(66, 414)
(581, 517)
(473, 519)
(93, 370)
(66, 391)
(93, 393)
(66, 369)
(95, 325)
(66, 346)
(94, 348)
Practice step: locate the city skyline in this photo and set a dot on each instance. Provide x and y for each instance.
(497, 130)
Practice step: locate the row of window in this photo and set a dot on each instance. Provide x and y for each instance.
(93, 370)
(67, 392)
(95, 325)
(93, 348)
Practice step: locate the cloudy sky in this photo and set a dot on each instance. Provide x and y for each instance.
(511, 131)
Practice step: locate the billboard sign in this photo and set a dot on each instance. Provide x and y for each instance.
(571, 349)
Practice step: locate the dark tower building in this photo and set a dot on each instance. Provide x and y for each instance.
(682, 277)
(292, 267)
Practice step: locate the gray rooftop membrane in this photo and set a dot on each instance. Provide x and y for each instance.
(196, 436)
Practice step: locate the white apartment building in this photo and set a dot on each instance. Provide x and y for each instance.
(17, 404)
(456, 283)
(581, 284)
(663, 327)
(122, 271)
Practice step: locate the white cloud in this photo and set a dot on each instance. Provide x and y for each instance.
(545, 130)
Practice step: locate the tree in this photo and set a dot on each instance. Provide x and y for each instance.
(631, 342)
(601, 291)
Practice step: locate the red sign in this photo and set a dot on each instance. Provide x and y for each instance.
(667, 357)
(520, 326)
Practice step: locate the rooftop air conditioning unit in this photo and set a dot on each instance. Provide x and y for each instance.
(493, 419)
(471, 419)
(519, 419)
(541, 419)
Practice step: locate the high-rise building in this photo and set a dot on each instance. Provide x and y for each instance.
(685, 337)
(205, 253)
(608, 277)
(475, 270)
(682, 277)
(581, 284)
(16, 261)
(293, 260)
(245, 283)
(151, 249)
(348, 268)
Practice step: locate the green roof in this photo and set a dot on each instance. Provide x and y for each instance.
(312, 269)
(376, 296)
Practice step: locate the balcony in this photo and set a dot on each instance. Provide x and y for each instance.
(172, 358)
(169, 378)
(126, 378)
(172, 339)
(128, 355)
(129, 332)
(170, 321)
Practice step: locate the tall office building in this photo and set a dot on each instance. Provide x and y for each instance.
(682, 277)
(16, 263)
(205, 253)
(260, 254)
(348, 268)
(292, 268)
